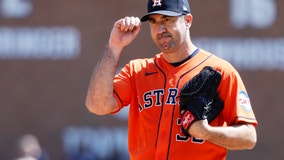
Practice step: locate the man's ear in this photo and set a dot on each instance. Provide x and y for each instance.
(188, 20)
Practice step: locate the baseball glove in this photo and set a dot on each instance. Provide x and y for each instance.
(199, 98)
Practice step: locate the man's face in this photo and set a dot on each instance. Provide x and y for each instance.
(168, 32)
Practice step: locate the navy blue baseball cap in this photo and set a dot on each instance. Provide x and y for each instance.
(167, 7)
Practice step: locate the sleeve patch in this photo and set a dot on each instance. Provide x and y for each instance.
(244, 101)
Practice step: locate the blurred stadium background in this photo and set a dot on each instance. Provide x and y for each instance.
(48, 49)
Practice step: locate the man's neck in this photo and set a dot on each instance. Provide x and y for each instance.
(180, 54)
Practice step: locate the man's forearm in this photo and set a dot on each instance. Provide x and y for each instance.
(233, 137)
(100, 98)
(237, 137)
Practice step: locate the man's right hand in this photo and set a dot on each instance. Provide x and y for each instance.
(124, 32)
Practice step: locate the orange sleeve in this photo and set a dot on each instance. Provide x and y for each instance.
(123, 87)
(237, 107)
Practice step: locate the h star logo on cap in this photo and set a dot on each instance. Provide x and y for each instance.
(157, 3)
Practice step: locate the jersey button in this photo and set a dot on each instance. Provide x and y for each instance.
(167, 114)
(163, 137)
(162, 158)
(171, 82)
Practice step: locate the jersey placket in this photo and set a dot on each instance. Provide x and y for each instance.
(166, 121)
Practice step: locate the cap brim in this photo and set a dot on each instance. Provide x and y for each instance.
(163, 12)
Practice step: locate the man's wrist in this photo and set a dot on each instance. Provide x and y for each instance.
(200, 129)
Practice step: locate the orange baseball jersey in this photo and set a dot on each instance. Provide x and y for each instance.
(151, 87)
